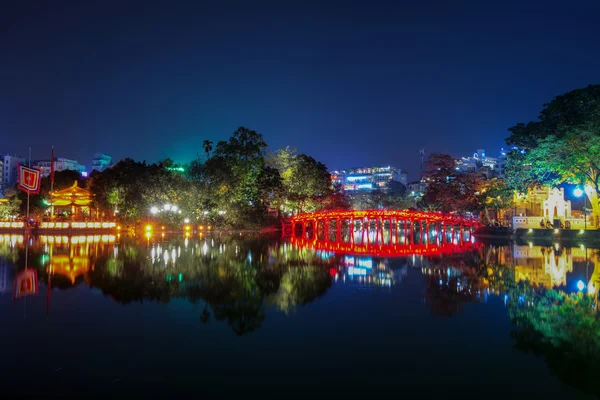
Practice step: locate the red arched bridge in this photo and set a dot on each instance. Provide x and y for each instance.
(381, 232)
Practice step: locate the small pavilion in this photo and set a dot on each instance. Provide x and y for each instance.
(74, 198)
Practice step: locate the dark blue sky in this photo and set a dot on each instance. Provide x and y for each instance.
(351, 83)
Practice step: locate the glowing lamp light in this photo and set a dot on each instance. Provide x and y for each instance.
(580, 285)
(148, 228)
(556, 231)
(591, 289)
(581, 231)
(578, 192)
(530, 230)
(167, 207)
(153, 210)
(186, 221)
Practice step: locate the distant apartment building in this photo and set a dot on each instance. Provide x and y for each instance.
(60, 164)
(479, 161)
(368, 178)
(101, 161)
(416, 188)
(8, 170)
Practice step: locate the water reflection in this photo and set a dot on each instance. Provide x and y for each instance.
(237, 279)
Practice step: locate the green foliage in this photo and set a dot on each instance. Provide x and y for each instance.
(563, 145)
(10, 208)
(237, 183)
(132, 188)
(306, 182)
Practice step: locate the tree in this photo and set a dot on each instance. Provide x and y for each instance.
(563, 145)
(236, 179)
(10, 204)
(449, 189)
(308, 184)
(495, 195)
(207, 145)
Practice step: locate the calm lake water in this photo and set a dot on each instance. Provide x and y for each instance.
(233, 315)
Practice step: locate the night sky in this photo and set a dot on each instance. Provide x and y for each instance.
(350, 83)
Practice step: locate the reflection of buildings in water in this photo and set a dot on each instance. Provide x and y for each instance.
(11, 240)
(546, 266)
(365, 270)
(497, 255)
(457, 280)
(74, 256)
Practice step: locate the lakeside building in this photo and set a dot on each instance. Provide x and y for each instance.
(101, 161)
(546, 207)
(368, 178)
(60, 164)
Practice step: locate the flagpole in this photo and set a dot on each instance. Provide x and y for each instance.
(28, 190)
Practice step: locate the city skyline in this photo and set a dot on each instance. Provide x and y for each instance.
(352, 85)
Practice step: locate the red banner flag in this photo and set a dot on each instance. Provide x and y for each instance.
(26, 284)
(29, 179)
(52, 166)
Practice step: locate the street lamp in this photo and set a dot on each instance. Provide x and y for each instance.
(578, 192)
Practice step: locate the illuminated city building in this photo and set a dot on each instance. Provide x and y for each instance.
(101, 161)
(368, 178)
(60, 164)
(479, 161)
(416, 188)
(8, 169)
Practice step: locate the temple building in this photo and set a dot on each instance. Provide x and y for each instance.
(546, 207)
(73, 202)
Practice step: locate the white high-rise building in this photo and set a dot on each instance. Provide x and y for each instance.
(60, 164)
(8, 169)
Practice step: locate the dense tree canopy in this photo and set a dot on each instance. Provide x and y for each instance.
(563, 145)
(449, 189)
(306, 182)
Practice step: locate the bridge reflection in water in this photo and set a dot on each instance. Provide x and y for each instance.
(385, 233)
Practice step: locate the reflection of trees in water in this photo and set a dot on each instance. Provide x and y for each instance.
(563, 327)
(300, 286)
(451, 281)
(234, 279)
